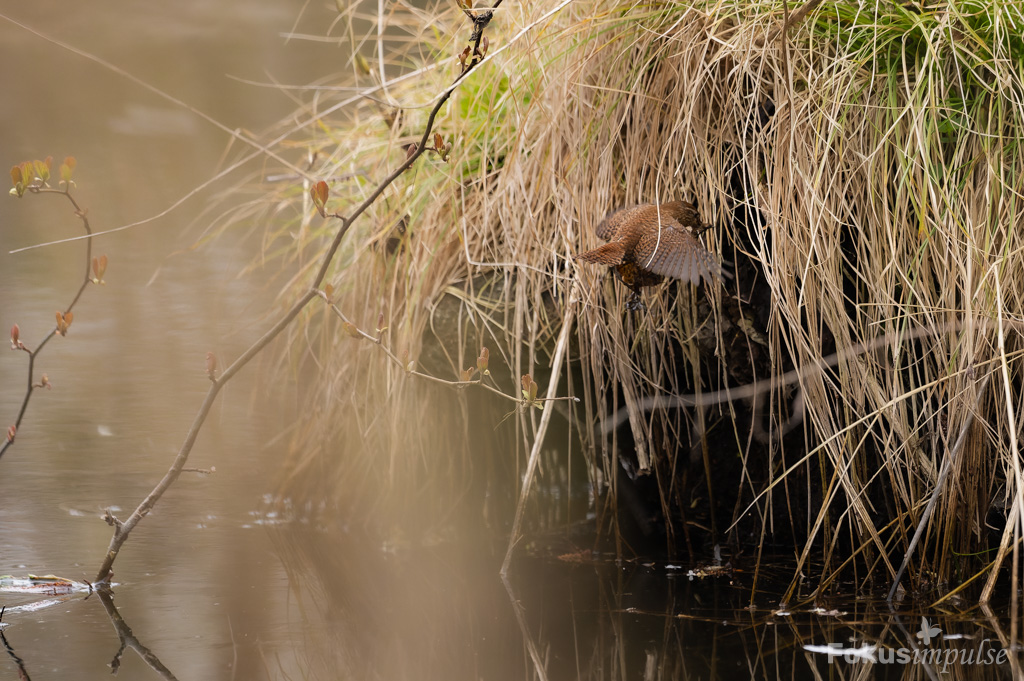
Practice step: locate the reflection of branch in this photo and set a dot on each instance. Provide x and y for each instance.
(531, 645)
(1009, 642)
(128, 640)
(911, 641)
(22, 672)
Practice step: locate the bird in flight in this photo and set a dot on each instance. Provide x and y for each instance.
(651, 241)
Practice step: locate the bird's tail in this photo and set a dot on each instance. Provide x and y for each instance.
(610, 254)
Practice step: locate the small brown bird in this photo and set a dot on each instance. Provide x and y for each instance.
(641, 253)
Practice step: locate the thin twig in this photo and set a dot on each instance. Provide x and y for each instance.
(378, 341)
(16, 344)
(123, 530)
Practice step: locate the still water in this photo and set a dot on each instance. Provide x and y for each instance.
(218, 582)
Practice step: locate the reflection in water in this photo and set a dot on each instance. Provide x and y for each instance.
(128, 639)
(401, 612)
(124, 635)
(18, 662)
(443, 612)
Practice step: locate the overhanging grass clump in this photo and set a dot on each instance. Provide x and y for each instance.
(862, 170)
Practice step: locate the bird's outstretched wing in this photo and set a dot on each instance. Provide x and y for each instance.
(675, 252)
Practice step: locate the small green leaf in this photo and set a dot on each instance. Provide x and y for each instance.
(67, 168)
(42, 169)
(362, 65)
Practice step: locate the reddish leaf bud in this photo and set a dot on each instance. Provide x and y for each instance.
(16, 338)
(211, 366)
(19, 180)
(11, 432)
(529, 388)
(64, 321)
(319, 193)
(99, 268)
(483, 359)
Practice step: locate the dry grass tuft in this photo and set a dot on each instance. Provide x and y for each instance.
(863, 176)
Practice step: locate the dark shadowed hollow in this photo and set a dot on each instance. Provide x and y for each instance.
(351, 517)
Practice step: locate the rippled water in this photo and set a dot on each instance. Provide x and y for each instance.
(218, 583)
